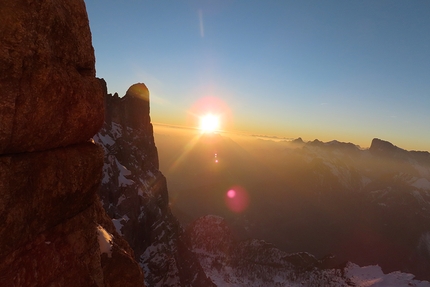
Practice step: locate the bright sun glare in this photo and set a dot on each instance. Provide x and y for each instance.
(209, 123)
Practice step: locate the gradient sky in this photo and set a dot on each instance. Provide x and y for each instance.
(345, 70)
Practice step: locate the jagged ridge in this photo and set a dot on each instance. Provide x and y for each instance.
(134, 193)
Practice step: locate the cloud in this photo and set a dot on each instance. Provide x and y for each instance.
(274, 138)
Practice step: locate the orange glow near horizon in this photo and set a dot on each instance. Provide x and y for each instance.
(209, 114)
(204, 115)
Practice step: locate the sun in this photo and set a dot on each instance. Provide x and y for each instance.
(209, 123)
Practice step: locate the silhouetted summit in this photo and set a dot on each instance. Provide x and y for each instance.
(138, 90)
(132, 110)
(379, 145)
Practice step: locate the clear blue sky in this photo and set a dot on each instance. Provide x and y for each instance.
(345, 70)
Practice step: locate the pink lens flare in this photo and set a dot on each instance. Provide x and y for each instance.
(231, 193)
(237, 199)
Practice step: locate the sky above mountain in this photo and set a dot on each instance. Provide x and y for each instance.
(345, 70)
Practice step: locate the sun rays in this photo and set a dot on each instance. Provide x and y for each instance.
(209, 123)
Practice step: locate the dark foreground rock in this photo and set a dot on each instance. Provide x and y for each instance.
(53, 229)
(50, 96)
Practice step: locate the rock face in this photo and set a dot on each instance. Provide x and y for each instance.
(50, 172)
(50, 96)
(134, 194)
(42, 189)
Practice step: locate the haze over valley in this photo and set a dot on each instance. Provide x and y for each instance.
(368, 206)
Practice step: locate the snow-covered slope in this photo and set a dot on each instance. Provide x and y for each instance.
(229, 262)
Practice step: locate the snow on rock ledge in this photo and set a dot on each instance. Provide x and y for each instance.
(105, 241)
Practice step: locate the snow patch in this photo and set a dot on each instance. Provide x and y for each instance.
(122, 169)
(123, 181)
(104, 139)
(372, 276)
(422, 183)
(118, 225)
(116, 130)
(140, 192)
(123, 172)
(105, 241)
(121, 199)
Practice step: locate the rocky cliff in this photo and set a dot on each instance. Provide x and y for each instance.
(53, 231)
(134, 193)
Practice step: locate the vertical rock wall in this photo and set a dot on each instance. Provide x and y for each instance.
(50, 172)
(50, 96)
(134, 193)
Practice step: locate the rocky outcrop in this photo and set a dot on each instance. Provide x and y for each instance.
(134, 193)
(42, 189)
(50, 96)
(385, 148)
(390, 152)
(50, 171)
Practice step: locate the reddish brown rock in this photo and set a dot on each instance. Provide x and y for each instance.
(50, 105)
(50, 96)
(41, 189)
(120, 269)
(67, 255)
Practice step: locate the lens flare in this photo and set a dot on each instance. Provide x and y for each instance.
(209, 123)
(209, 114)
(237, 199)
(231, 193)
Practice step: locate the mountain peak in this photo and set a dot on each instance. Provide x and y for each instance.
(298, 141)
(138, 90)
(132, 110)
(382, 147)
